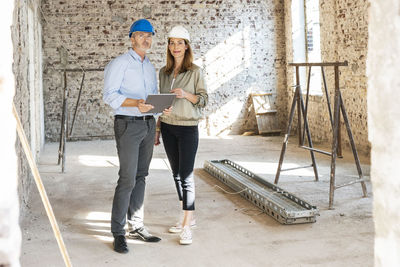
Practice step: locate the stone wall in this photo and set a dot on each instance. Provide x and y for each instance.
(20, 78)
(21, 98)
(240, 46)
(344, 36)
(26, 37)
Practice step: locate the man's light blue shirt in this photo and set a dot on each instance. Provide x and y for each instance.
(127, 76)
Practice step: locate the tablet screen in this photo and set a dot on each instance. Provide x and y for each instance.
(160, 102)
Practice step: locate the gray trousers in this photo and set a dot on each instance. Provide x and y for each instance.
(135, 142)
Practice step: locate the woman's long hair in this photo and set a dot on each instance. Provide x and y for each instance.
(187, 60)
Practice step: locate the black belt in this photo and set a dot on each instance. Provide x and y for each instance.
(134, 118)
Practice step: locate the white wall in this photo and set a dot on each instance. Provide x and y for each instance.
(35, 80)
(10, 236)
(383, 67)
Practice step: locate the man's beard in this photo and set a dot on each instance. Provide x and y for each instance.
(144, 48)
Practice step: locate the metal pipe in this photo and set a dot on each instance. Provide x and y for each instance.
(77, 104)
(353, 145)
(335, 138)
(286, 139)
(327, 96)
(296, 168)
(65, 131)
(362, 181)
(298, 105)
(317, 150)
(306, 109)
(309, 140)
(62, 133)
(325, 64)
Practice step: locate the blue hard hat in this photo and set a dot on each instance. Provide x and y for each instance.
(141, 25)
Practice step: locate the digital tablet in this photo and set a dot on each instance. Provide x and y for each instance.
(160, 102)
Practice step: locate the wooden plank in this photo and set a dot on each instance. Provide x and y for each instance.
(263, 94)
(41, 189)
(265, 113)
(272, 132)
(267, 123)
(261, 103)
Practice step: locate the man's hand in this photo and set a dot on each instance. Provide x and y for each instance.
(167, 111)
(179, 92)
(144, 107)
(157, 138)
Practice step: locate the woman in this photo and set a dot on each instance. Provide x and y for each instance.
(179, 129)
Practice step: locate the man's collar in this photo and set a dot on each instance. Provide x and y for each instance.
(136, 56)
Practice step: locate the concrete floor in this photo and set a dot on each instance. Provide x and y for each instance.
(230, 232)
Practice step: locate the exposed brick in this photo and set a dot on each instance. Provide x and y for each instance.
(218, 28)
(344, 36)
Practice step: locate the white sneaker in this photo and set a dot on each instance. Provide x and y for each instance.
(186, 236)
(177, 228)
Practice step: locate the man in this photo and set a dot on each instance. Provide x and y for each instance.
(128, 80)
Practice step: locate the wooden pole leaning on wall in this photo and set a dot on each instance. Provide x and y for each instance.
(41, 189)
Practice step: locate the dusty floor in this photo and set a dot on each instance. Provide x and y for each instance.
(230, 232)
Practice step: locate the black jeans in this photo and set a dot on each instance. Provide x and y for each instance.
(180, 143)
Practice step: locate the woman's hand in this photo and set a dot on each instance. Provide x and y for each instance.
(144, 107)
(157, 138)
(167, 111)
(179, 92)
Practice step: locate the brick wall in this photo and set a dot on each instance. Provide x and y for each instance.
(344, 36)
(239, 44)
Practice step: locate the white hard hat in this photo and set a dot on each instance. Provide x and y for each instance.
(179, 32)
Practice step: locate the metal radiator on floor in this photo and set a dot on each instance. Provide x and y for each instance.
(281, 205)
